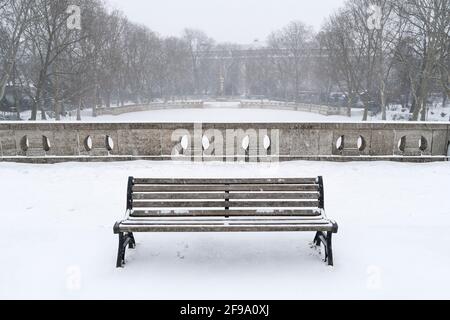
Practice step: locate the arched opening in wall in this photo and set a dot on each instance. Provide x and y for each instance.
(423, 144)
(181, 147)
(246, 146)
(340, 143)
(46, 145)
(109, 143)
(205, 143)
(88, 143)
(267, 144)
(184, 143)
(246, 143)
(24, 143)
(361, 144)
(402, 144)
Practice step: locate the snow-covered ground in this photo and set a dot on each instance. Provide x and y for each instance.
(57, 239)
(436, 112)
(228, 115)
(231, 112)
(217, 112)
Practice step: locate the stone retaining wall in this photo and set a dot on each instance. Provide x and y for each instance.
(59, 142)
(149, 107)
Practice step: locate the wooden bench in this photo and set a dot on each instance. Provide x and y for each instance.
(225, 205)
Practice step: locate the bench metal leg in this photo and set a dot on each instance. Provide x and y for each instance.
(132, 244)
(120, 252)
(316, 239)
(326, 240)
(125, 240)
(330, 248)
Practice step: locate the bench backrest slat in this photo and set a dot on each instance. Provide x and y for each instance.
(223, 196)
(227, 181)
(217, 187)
(230, 204)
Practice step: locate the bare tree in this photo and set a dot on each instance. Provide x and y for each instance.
(198, 43)
(345, 55)
(294, 43)
(48, 38)
(14, 19)
(426, 35)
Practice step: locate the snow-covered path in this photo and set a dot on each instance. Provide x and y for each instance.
(57, 239)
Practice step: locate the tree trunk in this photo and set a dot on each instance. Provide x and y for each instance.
(424, 112)
(423, 94)
(383, 102)
(43, 115)
(3, 83)
(366, 111)
(418, 107)
(79, 109)
(97, 102)
(34, 112)
(39, 89)
(36, 103)
(297, 82)
(108, 99)
(16, 101)
(407, 99)
(349, 106)
(413, 105)
(56, 97)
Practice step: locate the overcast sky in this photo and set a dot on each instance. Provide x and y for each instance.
(240, 21)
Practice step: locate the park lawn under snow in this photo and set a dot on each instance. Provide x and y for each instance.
(228, 115)
(231, 112)
(57, 239)
(223, 114)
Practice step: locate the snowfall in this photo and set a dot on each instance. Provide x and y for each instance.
(57, 240)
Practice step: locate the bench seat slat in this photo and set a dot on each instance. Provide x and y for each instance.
(222, 195)
(222, 213)
(238, 219)
(230, 204)
(227, 181)
(241, 187)
(223, 228)
(223, 222)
